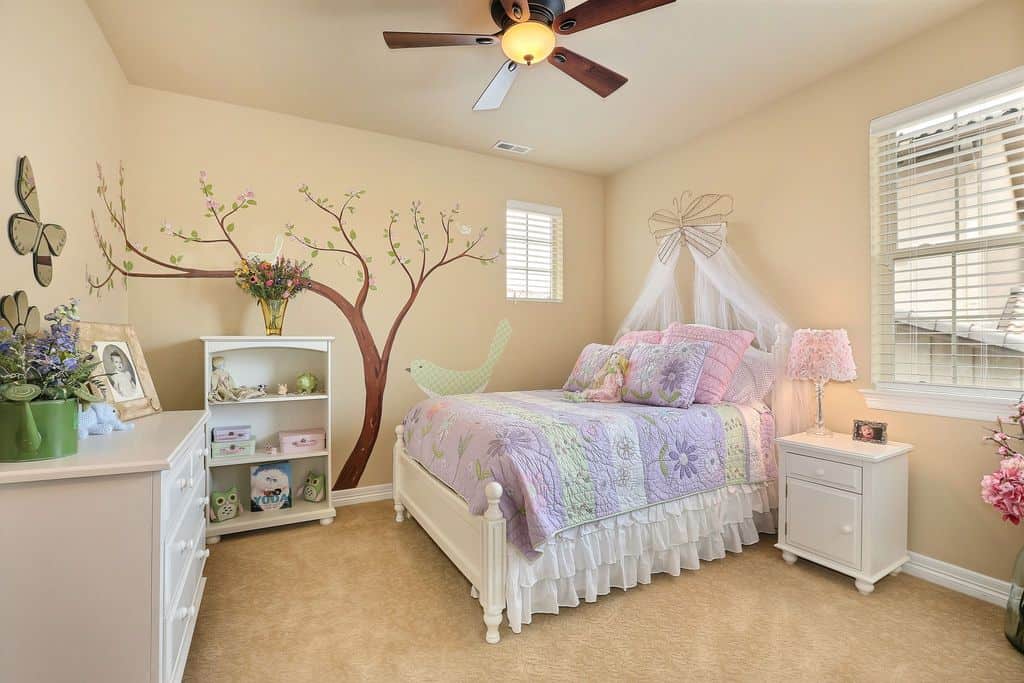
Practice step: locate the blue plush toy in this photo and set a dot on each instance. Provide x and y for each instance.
(89, 424)
(107, 417)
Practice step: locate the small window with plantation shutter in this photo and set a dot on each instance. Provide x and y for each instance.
(533, 252)
(947, 187)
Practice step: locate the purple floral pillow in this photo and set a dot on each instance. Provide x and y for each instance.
(588, 366)
(664, 374)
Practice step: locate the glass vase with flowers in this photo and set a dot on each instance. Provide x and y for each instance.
(1004, 490)
(273, 284)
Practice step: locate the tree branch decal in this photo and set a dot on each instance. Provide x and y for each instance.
(376, 359)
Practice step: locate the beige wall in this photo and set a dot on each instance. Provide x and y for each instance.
(798, 170)
(171, 137)
(64, 93)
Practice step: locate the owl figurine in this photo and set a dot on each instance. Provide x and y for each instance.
(313, 490)
(224, 505)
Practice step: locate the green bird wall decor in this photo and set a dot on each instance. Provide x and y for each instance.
(437, 381)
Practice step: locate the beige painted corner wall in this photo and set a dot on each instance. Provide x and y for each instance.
(62, 108)
(170, 137)
(798, 170)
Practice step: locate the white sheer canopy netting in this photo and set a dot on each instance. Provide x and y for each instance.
(724, 296)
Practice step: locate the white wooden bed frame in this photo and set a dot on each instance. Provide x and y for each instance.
(476, 545)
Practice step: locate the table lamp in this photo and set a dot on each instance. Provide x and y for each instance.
(821, 356)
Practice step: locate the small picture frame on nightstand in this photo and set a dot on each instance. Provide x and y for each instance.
(871, 432)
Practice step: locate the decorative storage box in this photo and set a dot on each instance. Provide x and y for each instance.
(230, 449)
(302, 441)
(236, 433)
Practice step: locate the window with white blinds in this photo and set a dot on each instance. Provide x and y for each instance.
(533, 252)
(948, 242)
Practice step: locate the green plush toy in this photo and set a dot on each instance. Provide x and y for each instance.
(307, 383)
(224, 505)
(314, 488)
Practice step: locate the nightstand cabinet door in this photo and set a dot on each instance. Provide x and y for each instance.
(826, 521)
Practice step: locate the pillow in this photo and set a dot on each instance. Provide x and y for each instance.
(589, 365)
(724, 356)
(753, 378)
(664, 374)
(641, 337)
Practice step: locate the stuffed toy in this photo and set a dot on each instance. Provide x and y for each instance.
(314, 488)
(107, 416)
(607, 385)
(89, 423)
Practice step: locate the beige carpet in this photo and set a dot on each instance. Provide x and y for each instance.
(368, 599)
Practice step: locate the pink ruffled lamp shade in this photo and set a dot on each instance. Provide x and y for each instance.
(821, 356)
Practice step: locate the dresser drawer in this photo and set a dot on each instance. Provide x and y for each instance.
(180, 618)
(180, 547)
(824, 520)
(185, 481)
(826, 472)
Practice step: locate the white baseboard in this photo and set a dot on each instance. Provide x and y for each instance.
(362, 494)
(959, 579)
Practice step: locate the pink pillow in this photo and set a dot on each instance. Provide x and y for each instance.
(753, 378)
(641, 337)
(724, 356)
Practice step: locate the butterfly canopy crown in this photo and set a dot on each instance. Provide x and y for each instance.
(700, 221)
(27, 231)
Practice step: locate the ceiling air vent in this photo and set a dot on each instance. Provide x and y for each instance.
(511, 147)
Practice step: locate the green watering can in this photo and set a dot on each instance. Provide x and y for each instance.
(36, 430)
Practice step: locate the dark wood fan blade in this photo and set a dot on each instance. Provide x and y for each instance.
(397, 40)
(595, 12)
(517, 10)
(601, 80)
(494, 93)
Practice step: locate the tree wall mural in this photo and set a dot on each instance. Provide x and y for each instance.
(376, 357)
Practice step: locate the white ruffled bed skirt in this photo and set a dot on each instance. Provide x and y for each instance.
(622, 551)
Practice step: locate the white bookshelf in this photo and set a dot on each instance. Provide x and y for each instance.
(270, 361)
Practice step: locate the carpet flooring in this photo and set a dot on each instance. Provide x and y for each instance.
(369, 599)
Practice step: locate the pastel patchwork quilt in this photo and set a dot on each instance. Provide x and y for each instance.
(562, 464)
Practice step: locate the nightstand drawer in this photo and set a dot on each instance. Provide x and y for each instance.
(826, 472)
(823, 520)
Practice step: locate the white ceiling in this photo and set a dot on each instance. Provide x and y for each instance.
(691, 64)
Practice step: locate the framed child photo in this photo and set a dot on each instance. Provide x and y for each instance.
(122, 376)
(872, 432)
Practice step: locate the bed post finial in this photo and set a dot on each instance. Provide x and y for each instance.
(396, 479)
(492, 593)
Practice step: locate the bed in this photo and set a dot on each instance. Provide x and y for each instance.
(542, 502)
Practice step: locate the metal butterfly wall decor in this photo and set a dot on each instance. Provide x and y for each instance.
(27, 231)
(17, 316)
(698, 220)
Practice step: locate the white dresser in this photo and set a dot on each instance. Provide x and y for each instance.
(102, 556)
(843, 504)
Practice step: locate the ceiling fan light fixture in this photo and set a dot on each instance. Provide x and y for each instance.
(528, 42)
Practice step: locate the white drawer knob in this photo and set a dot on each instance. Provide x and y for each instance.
(183, 484)
(201, 503)
(182, 546)
(847, 529)
(820, 472)
(181, 614)
(203, 554)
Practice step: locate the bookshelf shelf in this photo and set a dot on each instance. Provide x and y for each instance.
(270, 361)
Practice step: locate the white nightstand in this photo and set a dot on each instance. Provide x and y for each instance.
(843, 504)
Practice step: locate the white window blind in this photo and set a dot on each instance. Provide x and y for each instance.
(948, 241)
(533, 252)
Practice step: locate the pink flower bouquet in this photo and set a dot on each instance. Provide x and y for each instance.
(1004, 488)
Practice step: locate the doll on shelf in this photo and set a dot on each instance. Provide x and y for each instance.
(223, 388)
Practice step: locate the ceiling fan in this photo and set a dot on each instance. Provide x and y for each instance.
(527, 36)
